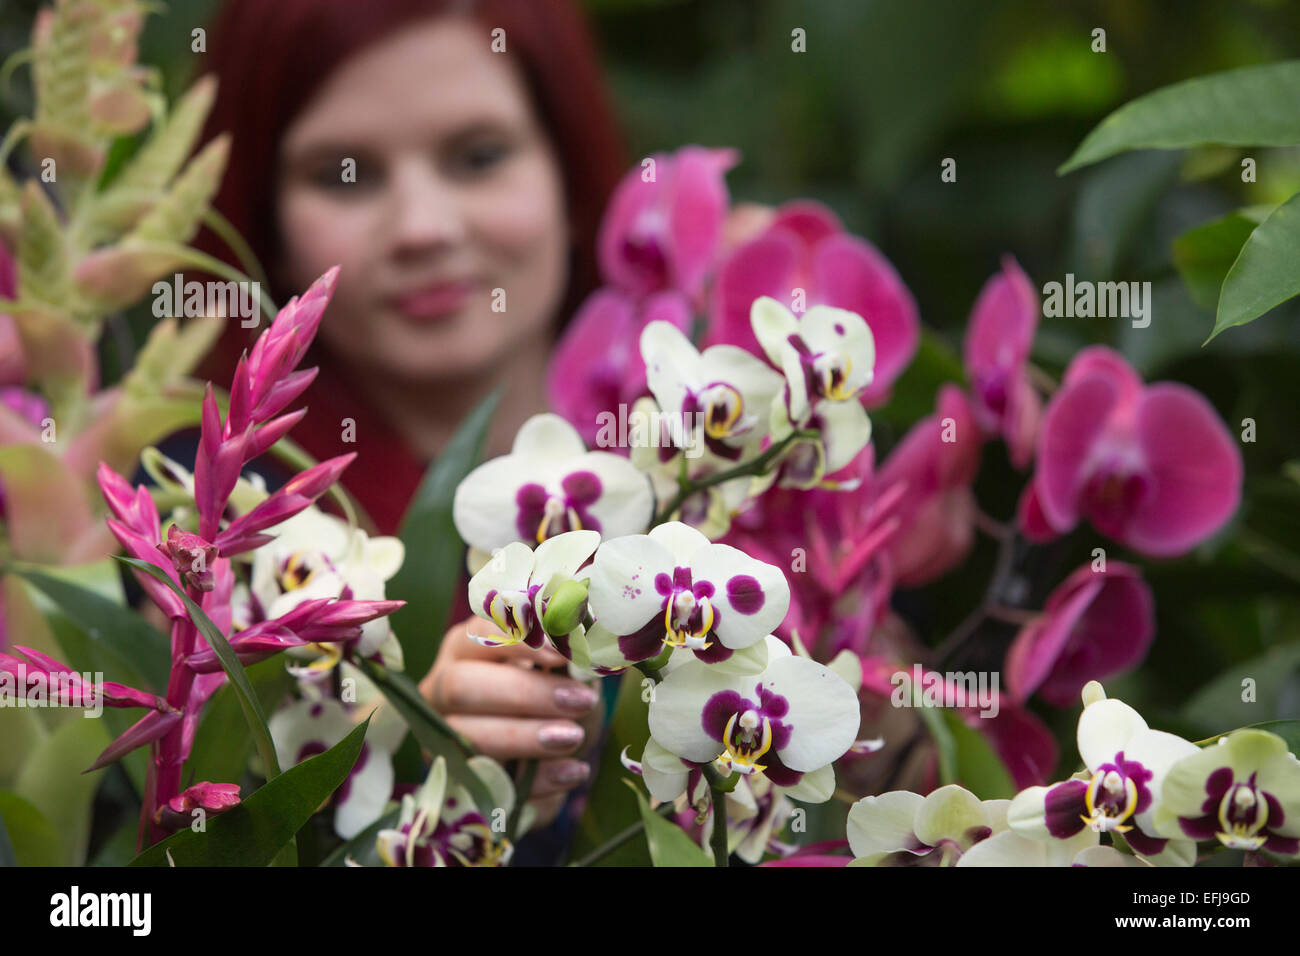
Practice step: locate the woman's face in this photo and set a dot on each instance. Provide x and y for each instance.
(453, 239)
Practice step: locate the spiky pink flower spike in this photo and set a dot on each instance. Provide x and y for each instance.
(265, 381)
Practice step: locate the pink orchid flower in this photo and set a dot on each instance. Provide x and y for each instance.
(663, 232)
(935, 462)
(1095, 624)
(597, 366)
(1151, 466)
(998, 339)
(805, 247)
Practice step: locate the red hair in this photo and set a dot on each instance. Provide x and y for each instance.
(271, 56)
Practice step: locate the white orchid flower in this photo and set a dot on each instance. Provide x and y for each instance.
(674, 587)
(513, 588)
(547, 485)
(901, 828)
(315, 555)
(828, 354)
(790, 722)
(722, 396)
(441, 825)
(1120, 791)
(309, 726)
(1243, 792)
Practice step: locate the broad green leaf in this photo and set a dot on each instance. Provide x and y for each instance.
(1264, 275)
(1115, 202)
(253, 833)
(435, 555)
(1204, 255)
(944, 744)
(7, 857)
(1252, 106)
(608, 812)
(362, 848)
(234, 670)
(979, 769)
(53, 780)
(668, 843)
(1229, 701)
(32, 837)
(139, 652)
(429, 729)
(120, 848)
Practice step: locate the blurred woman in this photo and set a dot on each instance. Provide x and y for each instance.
(454, 158)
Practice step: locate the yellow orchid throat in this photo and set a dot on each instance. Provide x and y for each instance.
(1109, 813)
(722, 409)
(833, 373)
(553, 515)
(1242, 815)
(747, 737)
(680, 609)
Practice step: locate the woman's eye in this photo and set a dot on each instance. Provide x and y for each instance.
(346, 173)
(483, 156)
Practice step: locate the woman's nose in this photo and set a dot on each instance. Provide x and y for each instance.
(426, 211)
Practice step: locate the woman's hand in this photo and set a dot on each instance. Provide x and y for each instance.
(504, 701)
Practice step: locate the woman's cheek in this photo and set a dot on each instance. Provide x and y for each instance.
(322, 234)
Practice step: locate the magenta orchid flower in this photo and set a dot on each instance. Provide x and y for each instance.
(662, 229)
(998, 340)
(935, 464)
(597, 367)
(210, 798)
(806, 248)
(1094, 625)
(1151, 466)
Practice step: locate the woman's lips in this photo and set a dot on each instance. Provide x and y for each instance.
(435, 301)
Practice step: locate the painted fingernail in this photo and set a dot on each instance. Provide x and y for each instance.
(560, 736)
(575, 698)
(570, 772)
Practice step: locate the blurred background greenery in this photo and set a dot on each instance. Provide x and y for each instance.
(862, 121)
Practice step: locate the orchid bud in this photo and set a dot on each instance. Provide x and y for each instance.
(566, 609)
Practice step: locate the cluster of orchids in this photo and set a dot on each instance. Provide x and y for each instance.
(663, 546)
(192, 565)
(1158, 800)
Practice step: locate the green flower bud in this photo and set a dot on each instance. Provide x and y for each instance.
(566, 608)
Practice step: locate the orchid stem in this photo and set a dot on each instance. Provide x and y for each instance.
(1002, 568)
(755, 467)
(718, 839)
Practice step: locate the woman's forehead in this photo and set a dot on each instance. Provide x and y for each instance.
(434, 79)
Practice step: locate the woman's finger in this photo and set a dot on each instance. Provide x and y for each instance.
(462, 647)
(514, 738)
(487, 688)
(559, 776)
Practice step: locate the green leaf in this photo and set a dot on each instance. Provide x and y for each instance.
(234, 670)
(1220, 703)
(435, 555)
(32, 837)
(52, 779)
(1115, 202)
(669, 844)
(608, 812)
(252, 833)
(433, 733)
(7, 857)
(1264, 274)
(362, 848)
(945, 745)
(1252, 106)
(139, 653)
(979, 769)
(1204, 255)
